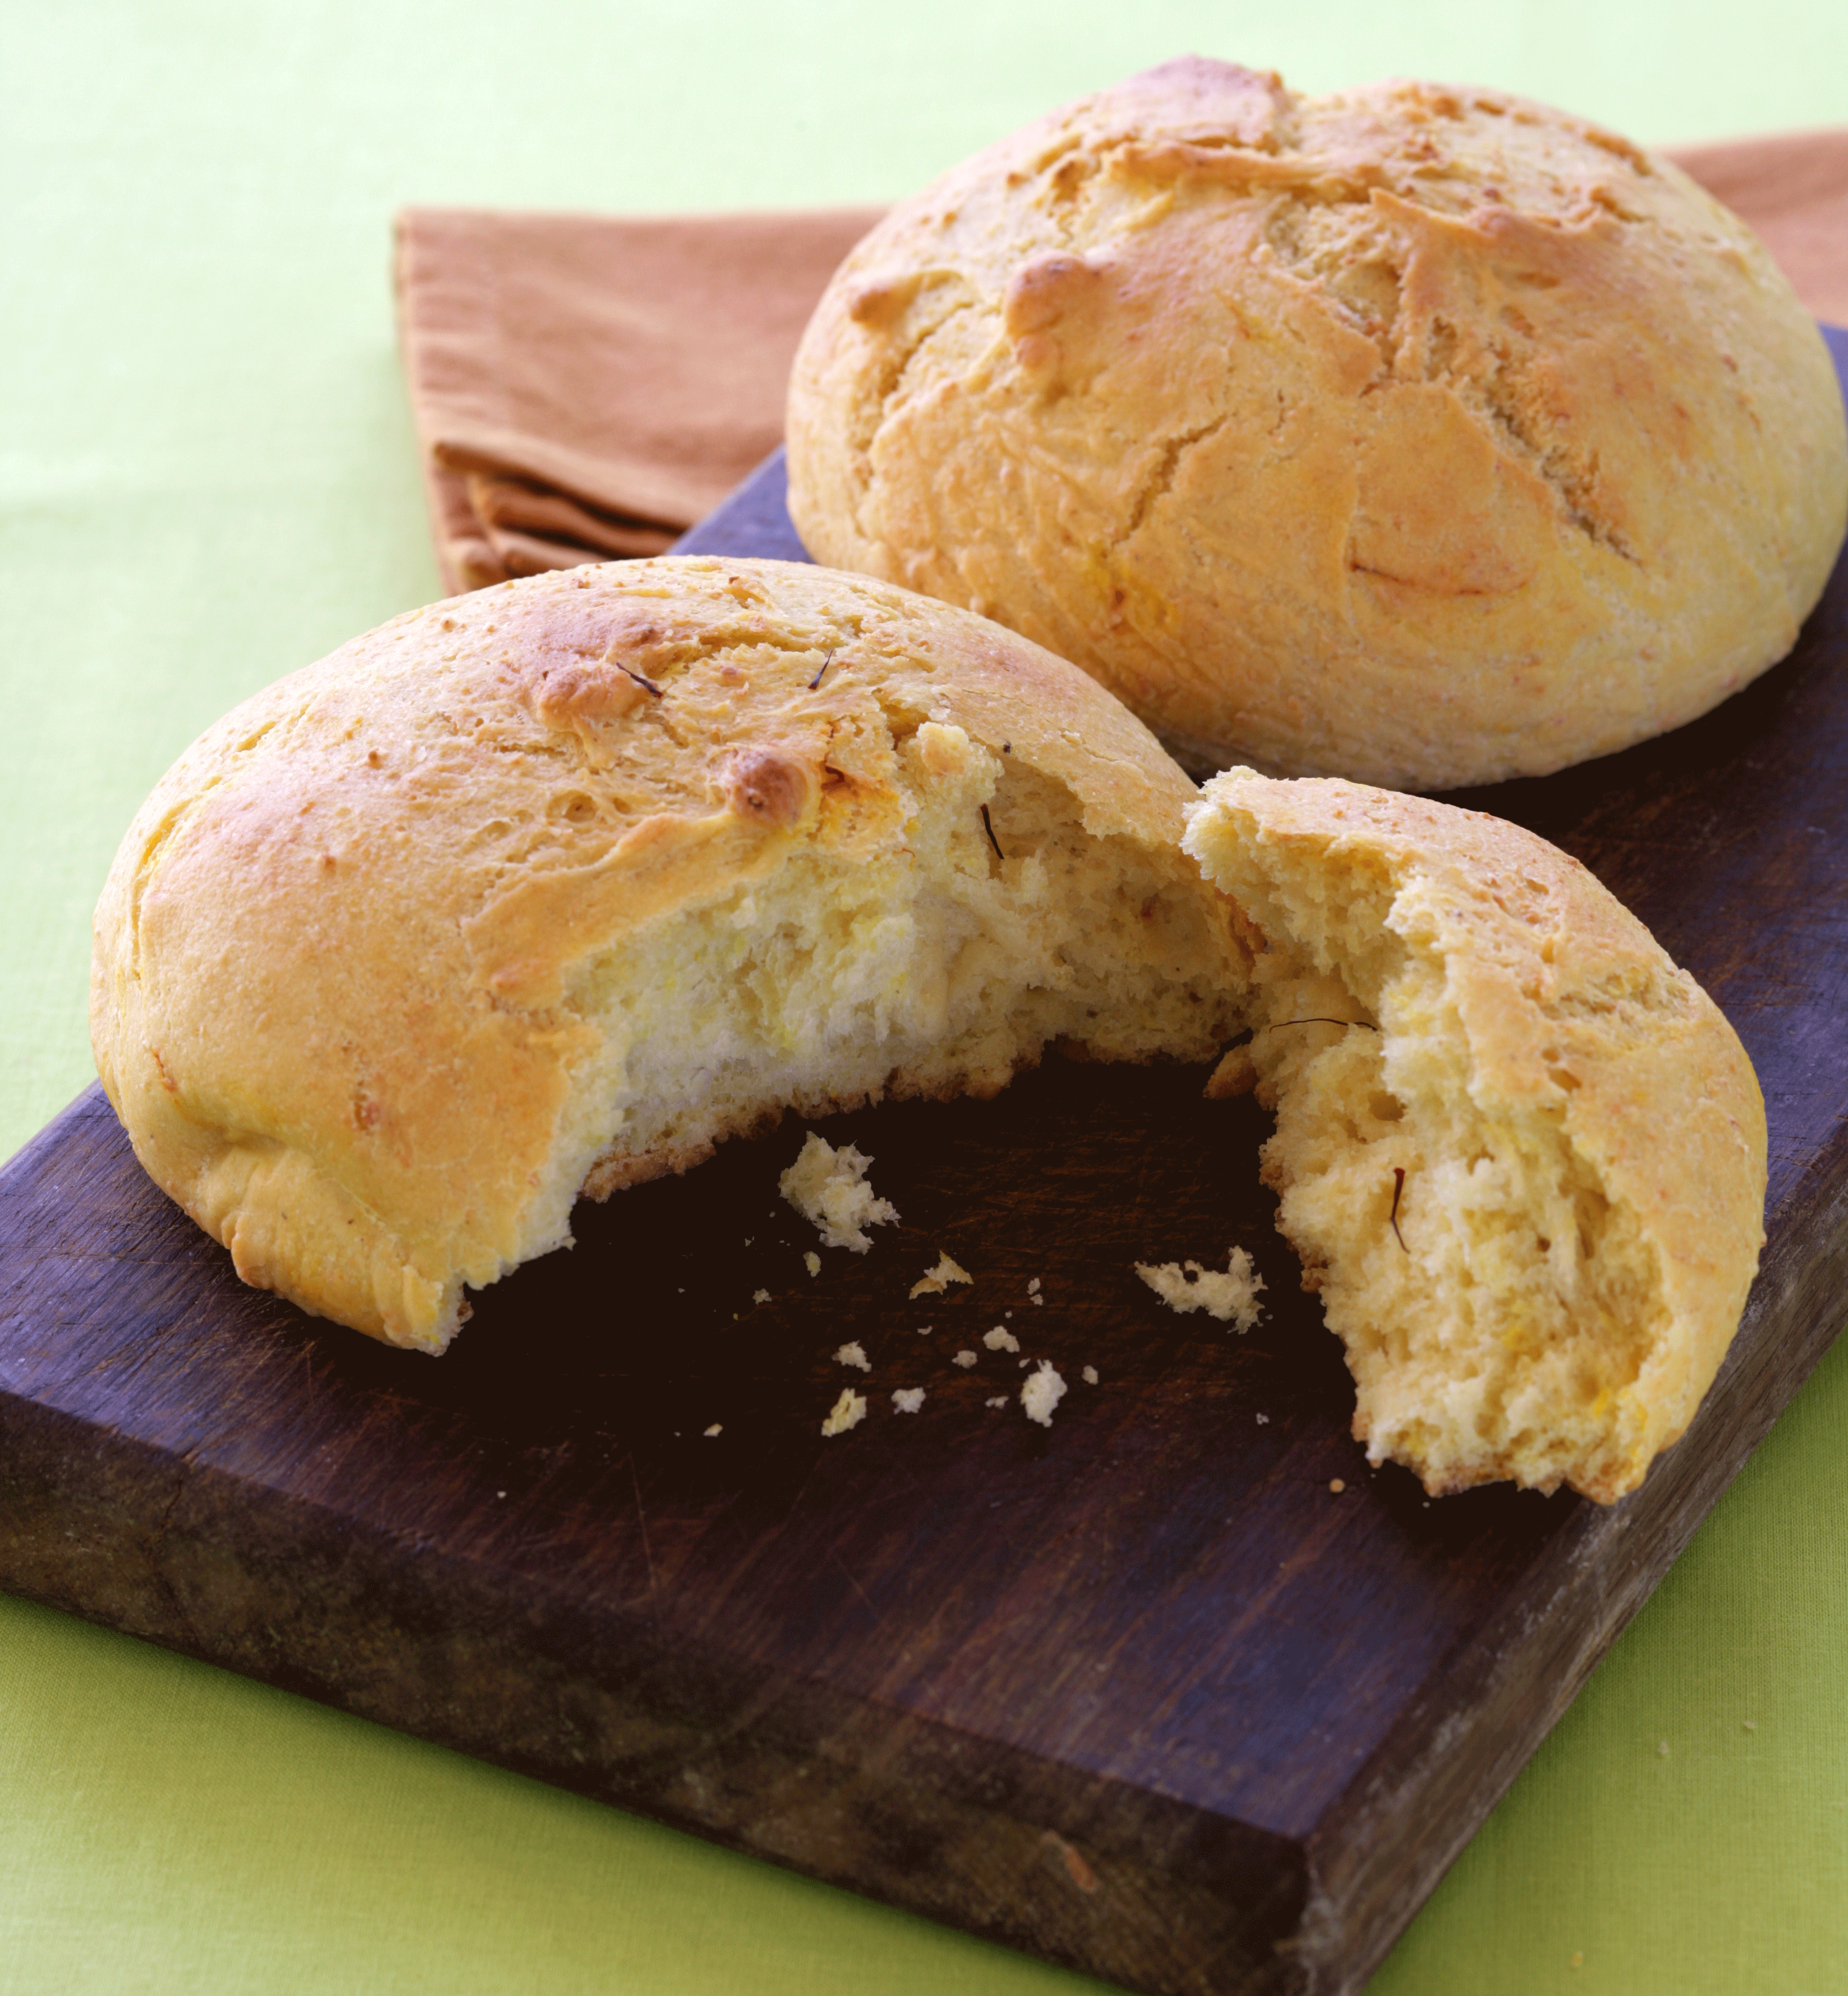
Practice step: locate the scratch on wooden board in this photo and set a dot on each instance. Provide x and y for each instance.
(865, 1598)
(1077, 1869)
(641, 1520)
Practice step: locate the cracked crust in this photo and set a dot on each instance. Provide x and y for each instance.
(552, 887)
(1422, 435)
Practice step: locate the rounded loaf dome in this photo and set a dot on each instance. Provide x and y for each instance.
(1422, 435)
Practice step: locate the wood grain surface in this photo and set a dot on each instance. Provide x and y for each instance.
(1140, 1692)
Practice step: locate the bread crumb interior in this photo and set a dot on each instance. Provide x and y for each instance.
(989, 924)
(1494, 1303)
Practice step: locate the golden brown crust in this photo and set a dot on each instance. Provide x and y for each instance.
(338, 995)
(1510, 981)
(1421, 435)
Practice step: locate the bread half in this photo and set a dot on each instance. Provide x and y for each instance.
(1521, 1155)
(548, 889)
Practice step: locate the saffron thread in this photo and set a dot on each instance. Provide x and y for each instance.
(989, 827)
(823, 667)
(1399, 1185)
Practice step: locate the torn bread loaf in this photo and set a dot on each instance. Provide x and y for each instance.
(1520, 1153)
(549, 888)
(1422, 435)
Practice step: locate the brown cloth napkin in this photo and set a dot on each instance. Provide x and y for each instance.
(586, 387)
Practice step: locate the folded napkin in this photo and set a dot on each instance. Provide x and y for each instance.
(587, 386)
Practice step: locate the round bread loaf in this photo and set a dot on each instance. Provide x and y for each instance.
(549, 888)
(1521, 1154)
(1422, 435)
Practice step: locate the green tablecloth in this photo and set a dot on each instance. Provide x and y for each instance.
(208, 478)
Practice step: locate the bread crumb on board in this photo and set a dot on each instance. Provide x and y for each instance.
(935, 1280)
(718, 1428)
(908, 1399)
(854, 1354)
(1000, 1339)
(847, 1411)
(829, 1187)
(1042, 1392)
(965, 1358)
(760, 1295)
(812, 1261)
(1000, 1400)
(1089, 1375)
(1185, 1286)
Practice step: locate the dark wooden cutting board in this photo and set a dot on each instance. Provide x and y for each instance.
(1141, 1692)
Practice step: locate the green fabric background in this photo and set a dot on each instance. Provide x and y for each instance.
(207, 479)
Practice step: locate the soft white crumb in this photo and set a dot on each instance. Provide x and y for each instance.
(717, 1427)
(1263, 1420)
(923, 1330)
(1033, 1288)
(1232, 1297)
(1000, 1339)
(828, 1187)
(1000, 1400)
(1042, 1392)
(760, 1295)
(1025, 1362)
(847, 1411)
(1089, 1375)
(812, 1261)
(965, 1358)
(854, 1354)
(936, 1280)
(908, 1399)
